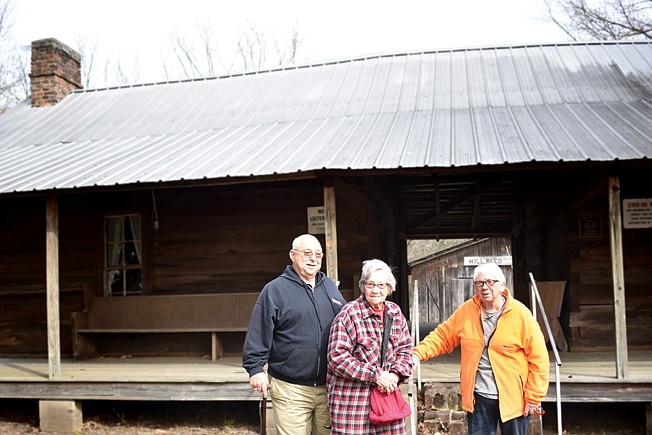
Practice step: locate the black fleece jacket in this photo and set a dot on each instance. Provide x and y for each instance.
(289, 329)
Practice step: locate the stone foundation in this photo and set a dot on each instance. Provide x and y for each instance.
(440, 412)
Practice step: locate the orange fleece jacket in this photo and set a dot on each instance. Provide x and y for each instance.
(517, 351)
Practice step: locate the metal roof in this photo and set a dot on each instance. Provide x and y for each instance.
(452, 108)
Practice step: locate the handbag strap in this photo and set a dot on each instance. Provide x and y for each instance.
(387, 328)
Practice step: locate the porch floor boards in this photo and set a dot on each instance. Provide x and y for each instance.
(583, 376)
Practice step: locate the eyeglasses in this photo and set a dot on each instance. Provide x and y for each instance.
(307, 254)
(489, 282)
(370, 285)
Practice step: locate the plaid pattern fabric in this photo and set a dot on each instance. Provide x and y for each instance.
(354, 364)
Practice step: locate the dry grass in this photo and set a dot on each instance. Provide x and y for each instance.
(19, 417)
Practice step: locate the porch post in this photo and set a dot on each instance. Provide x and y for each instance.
(618, 279)
(52, 284)
(331, 233)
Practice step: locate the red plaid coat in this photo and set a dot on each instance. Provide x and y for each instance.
(354, 364)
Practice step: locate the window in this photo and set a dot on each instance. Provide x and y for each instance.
(124, 258)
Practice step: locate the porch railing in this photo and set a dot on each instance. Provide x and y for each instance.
(535, 296)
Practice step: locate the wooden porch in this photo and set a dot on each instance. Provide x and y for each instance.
(584, 376)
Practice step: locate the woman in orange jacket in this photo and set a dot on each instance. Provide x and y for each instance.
(504, 365)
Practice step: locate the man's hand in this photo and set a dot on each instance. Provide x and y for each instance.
(260, 383)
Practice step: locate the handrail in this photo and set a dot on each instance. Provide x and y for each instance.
(536, 296)
(415, 339)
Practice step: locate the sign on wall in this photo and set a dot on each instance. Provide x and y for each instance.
(501, 260)
(316, 220)
(590, 224)
(637, 213)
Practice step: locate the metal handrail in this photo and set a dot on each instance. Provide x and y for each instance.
(415, 339)
(536, 296)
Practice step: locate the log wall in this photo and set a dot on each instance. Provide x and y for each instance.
(567, 238)
(209, 240)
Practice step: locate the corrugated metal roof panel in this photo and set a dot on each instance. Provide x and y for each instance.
(490, 106)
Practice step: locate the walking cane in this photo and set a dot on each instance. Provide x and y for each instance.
(263, 415)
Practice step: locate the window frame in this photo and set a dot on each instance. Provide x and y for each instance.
(125, 245)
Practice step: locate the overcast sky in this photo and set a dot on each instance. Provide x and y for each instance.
(140, 30)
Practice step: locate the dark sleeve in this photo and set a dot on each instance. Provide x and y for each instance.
(258, 341)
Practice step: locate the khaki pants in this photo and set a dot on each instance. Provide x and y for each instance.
(299, 410)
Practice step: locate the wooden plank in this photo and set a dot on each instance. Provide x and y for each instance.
(616, 244)
(157, 330)
(52, 284)
(218, 312)
(155, 391)
(331, 233)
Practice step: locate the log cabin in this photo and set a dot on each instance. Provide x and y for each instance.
(144, 219)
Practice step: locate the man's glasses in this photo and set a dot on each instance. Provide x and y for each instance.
(370, 285)
(489, 282)
(307, 254)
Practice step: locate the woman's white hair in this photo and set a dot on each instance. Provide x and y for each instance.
(371, 266)
(489, 269)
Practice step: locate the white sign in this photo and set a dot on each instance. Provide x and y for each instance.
(637, 213)
(501, 260)
(316, 220)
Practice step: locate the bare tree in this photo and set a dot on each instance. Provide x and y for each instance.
(14, 83)
(195, 57)
(204, 59)
(88, 53)
(288, 55)
(602, 19)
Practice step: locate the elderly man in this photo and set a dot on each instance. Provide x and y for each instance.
(288, 331)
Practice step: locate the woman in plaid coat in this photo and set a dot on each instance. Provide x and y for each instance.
(354, 354)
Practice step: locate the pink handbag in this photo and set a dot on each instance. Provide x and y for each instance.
(386, 408)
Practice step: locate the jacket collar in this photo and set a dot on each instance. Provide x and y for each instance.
(508, 300)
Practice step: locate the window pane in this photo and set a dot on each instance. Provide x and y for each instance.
(134, 281)
(131, 253)
(114, 281)
(113, 254)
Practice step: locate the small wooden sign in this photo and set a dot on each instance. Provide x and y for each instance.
(316, 220)
(590, 225)
(501, 260)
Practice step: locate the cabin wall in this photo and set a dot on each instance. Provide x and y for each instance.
(209, 240)
(567, 239)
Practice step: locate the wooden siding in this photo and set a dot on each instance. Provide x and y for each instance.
(445, 283)
(223, 239)
(571, 243)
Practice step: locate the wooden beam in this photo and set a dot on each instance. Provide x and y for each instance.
(618, 277)
(52, 284)
(350, 194)
(331, 233)
(479, 188)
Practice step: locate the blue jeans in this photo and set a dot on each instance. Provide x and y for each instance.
(486, 417)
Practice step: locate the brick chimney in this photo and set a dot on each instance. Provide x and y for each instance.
(56, 72)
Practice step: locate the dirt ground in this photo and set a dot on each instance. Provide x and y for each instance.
(20, 417)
